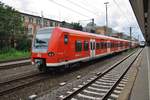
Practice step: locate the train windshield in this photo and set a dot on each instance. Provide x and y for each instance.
(42, 37)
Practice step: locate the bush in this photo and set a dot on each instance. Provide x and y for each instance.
(23, 43)
(11, 53)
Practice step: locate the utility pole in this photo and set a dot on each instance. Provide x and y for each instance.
(131, 35)
(92, 22)
(42, 22)
(138, 38)
(106, 30)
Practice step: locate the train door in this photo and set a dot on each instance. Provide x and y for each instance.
(92, 48)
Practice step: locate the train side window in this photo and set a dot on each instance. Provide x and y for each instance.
(110, 45)
(97, 46)
(78, 46)
(86, 46)
(66, 39)
(101, 45)
(105, 44)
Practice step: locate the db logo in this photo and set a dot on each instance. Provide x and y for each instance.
(39, 55)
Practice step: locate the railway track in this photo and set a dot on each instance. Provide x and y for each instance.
(17, 83)
(24, 81)
(106, 85)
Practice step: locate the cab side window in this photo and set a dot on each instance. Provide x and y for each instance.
(66, 39)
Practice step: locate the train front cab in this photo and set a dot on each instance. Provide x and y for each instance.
(44, 48)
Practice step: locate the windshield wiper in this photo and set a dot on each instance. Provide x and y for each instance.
(40, 41)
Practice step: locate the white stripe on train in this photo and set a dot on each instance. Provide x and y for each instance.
(77, 60)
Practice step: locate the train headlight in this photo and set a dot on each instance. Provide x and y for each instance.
(51, 54)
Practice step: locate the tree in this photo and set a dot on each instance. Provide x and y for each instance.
(77, 26)
(10, 22)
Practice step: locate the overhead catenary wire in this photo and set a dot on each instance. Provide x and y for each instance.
(90, 4)
(76, 4)
(126, 14)
(122, 11)
(68, 8)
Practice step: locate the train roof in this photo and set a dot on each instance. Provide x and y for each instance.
(90, 34)
(83, 33)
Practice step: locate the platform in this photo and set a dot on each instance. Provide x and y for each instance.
(141, 88)
(15, 62)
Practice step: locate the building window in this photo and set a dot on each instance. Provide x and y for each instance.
(30, 20)
(51, 24)
(23, 18)
(29, 31)
(86, 46)
(54, 24)
(78, 46)
(45, 22)
(38, 21)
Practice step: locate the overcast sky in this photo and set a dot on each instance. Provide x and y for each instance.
(120, 14)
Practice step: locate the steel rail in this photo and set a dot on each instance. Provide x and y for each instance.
(118, 81)
(21, 82)
(99, 75)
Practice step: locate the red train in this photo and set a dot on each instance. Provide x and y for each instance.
(54, 47)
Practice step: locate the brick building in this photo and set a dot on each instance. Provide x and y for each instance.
(33, 22)
(102, 30)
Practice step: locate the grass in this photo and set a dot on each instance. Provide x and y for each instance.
(12, 54)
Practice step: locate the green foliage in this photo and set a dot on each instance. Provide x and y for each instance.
(11, 29)
(10, 21)
(11, 53)
(77, 26)
(23, 43)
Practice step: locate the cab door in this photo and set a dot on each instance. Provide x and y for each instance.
(63, 47)
(92, 48)
(66, 49)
